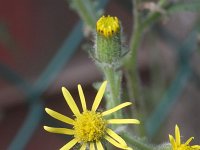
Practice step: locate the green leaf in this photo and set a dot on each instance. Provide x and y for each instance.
(192, 6)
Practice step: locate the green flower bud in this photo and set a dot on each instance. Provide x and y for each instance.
(108, 40)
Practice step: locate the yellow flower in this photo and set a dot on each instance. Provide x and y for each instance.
(108, 26)
(177, 145)
(89, 126)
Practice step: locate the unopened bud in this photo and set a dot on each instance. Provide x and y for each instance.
(108, 40)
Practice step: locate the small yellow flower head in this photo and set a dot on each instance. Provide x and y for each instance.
(89, 127)
(177, 145)
(108, 26)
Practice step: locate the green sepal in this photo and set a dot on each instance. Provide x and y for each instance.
(108, 49)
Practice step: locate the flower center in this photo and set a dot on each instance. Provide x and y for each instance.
(89, 126)
(107, 26)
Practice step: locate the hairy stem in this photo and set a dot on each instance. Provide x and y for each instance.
(86, 11)
(114, 84)
(137, 143)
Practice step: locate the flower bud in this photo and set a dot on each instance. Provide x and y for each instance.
(108, 40)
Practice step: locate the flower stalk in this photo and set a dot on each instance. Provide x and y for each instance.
(131, 68)
(136, 142)
(114, 79)
(86, 11)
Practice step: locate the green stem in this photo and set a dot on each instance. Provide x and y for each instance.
(136, 142)
(162, 2)
(114, 84)
(153, 16)
(130, 64)
(86, 11)
(131, 61)
(131, 67)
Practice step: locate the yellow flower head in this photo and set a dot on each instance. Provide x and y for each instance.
(89, 127)
(177, 145)
(108, 26)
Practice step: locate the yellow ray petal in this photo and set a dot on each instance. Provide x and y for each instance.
(110, 111)
(99, 145)
(189, 140)
(172, 141)
(59, 130)
(59, 116)
(70, 144)
(116, 136)
(197, 147)
(177, 135)
(115, 143)
(99, 96)
(83, 147)
(82, 97)
(123, 121)
(70, 101)
(92, 146)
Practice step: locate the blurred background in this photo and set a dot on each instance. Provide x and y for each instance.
(43, 46)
